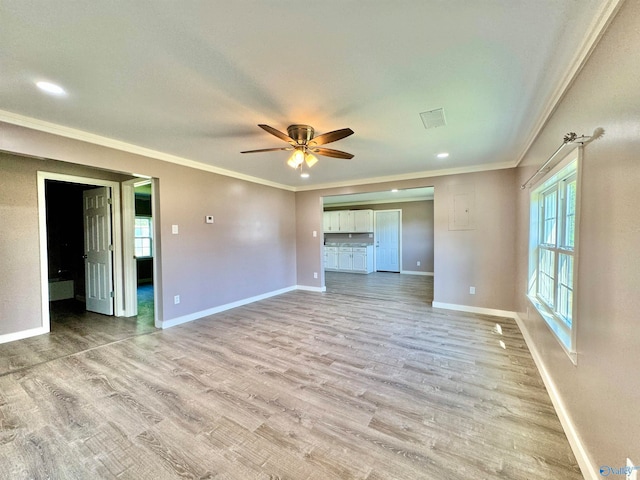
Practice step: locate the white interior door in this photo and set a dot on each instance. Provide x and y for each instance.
(387, 236)
(98, 250)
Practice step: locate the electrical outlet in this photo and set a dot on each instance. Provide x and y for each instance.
(315, 274)
(174, 229)
(208, 219)
(418, 263)
(472, 290)
(176, 299)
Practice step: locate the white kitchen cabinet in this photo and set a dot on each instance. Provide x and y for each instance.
(331, 222)
(362, 259)
(331, 258)
(348, 221)
(362, 221)
(358, 259)
(345, 259)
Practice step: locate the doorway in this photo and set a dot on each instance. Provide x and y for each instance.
(407, 257)
(116, 293)
(139, 246)
(120, 278)
(79, 246)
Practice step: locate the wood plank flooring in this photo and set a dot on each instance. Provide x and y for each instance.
(74, 330)
(300, 386)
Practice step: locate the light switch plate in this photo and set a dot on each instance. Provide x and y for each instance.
(174, 229)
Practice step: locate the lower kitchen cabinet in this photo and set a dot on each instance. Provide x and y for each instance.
(349, 259)
(331, 258)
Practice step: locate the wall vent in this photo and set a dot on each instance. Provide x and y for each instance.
(433, 118)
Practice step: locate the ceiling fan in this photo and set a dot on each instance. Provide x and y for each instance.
(304, 145)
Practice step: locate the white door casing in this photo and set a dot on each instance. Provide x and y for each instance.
(98, 247)
(387, 238)
(128, 248)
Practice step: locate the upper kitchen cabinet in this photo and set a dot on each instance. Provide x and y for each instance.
(348, 221)
(331, 222)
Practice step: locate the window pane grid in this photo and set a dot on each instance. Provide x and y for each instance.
(550, 217)
(565, 288)
(546, 279)
(143, 240)
(570, 214)
(551, 269)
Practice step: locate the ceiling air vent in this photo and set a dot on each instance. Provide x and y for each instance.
(433, 118)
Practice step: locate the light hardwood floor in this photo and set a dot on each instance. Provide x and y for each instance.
(299, 386)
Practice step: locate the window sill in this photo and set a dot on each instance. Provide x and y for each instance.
(552, 324)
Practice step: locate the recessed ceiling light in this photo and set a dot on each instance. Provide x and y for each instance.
(51, 88)
(394, 190)
(304, 175)
(442, 155)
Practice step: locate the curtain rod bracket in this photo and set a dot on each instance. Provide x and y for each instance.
(570, 137)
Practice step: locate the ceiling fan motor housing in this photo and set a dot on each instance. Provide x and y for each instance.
(300, 133)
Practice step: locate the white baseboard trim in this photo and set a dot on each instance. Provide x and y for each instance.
(470, 309)
(221, 308)
(12, 337)
(308, 288)
(413, 272)
(245, 301)
(579, 450)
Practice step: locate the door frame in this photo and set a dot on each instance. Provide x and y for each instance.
(375, 226)
(116, 233)
(128, 236)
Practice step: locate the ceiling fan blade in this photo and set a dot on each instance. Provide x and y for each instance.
(278, 133)
(330, 137)
(329, 152)
(267, 150)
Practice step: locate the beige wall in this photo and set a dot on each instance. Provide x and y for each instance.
(601, 394)
(482, 257)
(249, 251)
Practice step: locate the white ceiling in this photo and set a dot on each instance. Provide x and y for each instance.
(192, 79)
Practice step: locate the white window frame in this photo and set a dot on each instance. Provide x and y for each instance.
(556, 182)
(150, 237)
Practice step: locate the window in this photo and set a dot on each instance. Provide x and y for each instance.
(143, 237)
(552, 251)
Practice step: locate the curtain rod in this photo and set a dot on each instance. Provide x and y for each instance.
(569, 138)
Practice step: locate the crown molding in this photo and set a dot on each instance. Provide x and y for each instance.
(75, 134)
(601, 21)
(410, 176)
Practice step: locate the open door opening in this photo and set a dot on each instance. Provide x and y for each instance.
(400, 238)
(144, 248)
(79, 247)
(81, 252)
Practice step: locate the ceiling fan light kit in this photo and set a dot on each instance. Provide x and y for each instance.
(304, 145)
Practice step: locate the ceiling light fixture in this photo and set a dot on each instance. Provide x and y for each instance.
(394, 190)
(51, 88)
(304, 144)
(304, 175)
(442, 155)
(301, 155)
